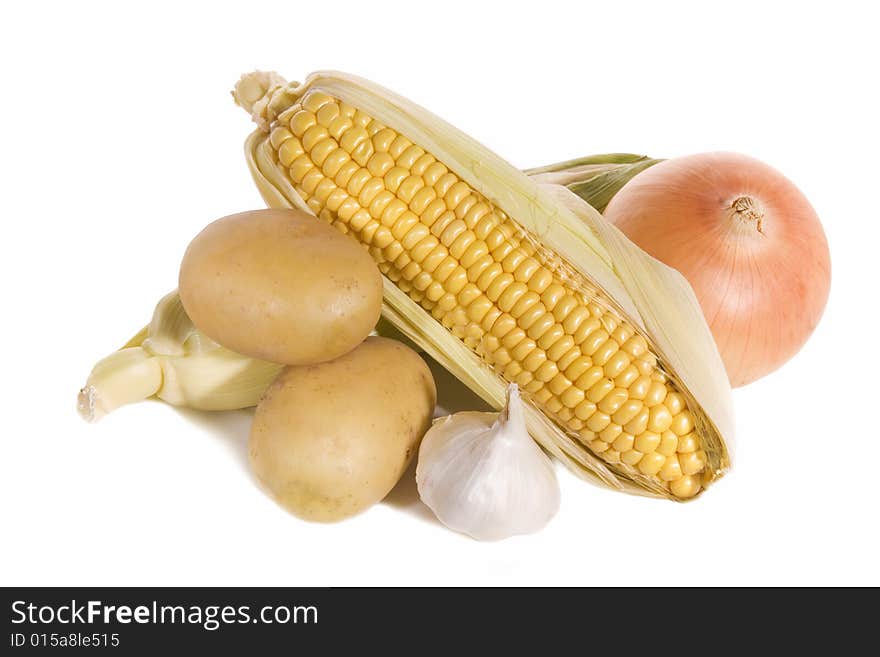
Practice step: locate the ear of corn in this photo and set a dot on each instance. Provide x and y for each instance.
(172, 360)
(505, 280)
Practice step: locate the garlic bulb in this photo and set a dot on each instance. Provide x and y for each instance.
(483, 475)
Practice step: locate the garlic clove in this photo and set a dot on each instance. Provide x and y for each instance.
(483, 475)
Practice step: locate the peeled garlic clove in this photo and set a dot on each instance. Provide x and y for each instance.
(483, 475)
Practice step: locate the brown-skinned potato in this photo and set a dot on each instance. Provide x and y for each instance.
(280, 285)
(330, 440)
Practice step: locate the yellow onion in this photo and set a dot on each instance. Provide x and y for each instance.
(749, 243)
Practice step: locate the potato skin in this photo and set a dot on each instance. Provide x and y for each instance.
(280, 285)
(332, 439)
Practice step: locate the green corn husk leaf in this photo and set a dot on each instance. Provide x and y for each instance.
(595, 178)
(655, 299)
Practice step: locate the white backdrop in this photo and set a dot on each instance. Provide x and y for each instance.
(120, 142)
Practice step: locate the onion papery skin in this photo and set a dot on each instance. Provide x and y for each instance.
(749, 243)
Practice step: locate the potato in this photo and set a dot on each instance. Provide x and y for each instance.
(280, 285)
(331, 440)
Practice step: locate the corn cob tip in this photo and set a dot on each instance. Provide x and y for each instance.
(254, 93)
(87, 404)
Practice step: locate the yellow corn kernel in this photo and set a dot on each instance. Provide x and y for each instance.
(598, 446)
(692, 462)
(660, 418)
(599, 390)
(572, 396)
(647, 442)
(598, 421)
(611, 456)
(650, 464)
(623, 443)
(610, 433)
(684, 487)
(668, 443)
(671, 469)
(683, 423)
(656, 394)
(612, 402)
(639, 423)
(627, 411)
(632, 457)
(675, 403)
(687, 444)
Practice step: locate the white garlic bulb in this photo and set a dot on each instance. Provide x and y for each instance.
(483, 475)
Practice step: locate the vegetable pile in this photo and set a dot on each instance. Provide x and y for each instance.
(594, 350)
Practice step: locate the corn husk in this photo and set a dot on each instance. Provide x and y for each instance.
(595, 178)
(655, 299)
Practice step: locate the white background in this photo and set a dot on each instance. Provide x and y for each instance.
(120, 142)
